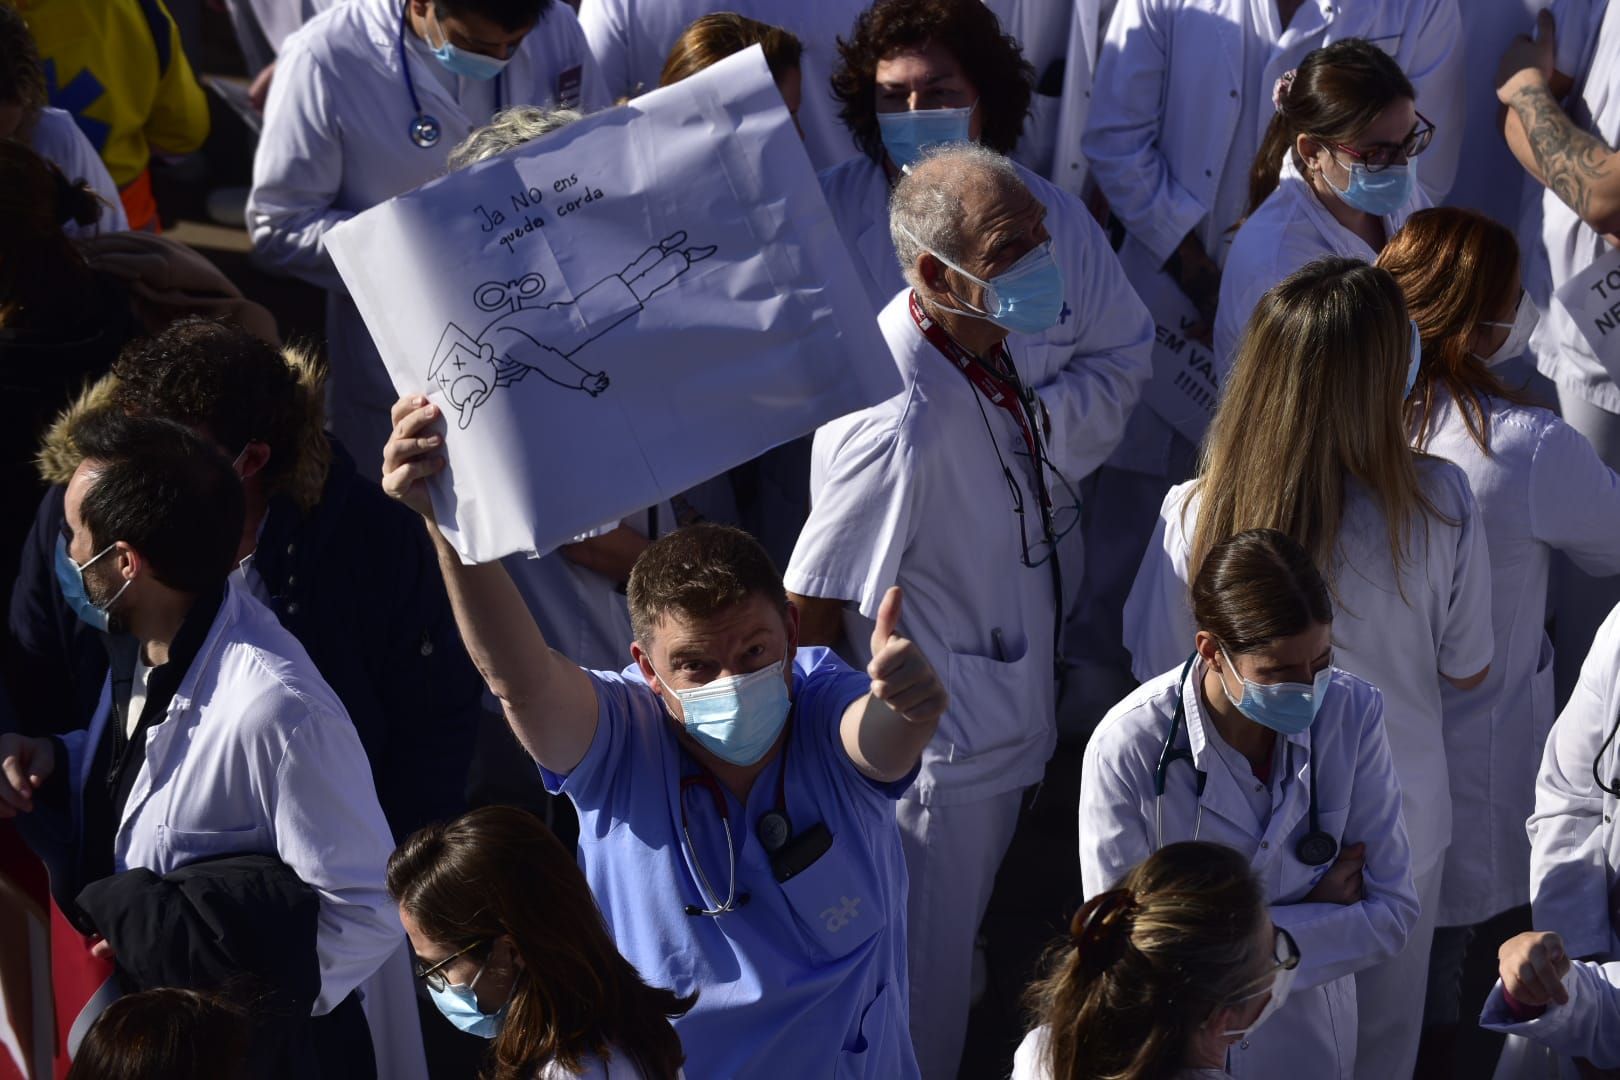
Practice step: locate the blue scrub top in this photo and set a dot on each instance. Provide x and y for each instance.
(808, 979)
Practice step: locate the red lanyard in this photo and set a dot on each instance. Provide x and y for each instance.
(1002, 391)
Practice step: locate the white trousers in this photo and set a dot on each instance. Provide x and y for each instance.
(952, 854)
(1389, 997)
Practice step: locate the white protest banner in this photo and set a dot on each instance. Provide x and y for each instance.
(1182, 390)
(1592, 299)
(617, 311)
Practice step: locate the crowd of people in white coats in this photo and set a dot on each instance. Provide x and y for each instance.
(1258, 427)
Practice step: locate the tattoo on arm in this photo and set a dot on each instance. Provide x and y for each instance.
(1572, 160)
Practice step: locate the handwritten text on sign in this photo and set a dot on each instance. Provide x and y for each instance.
(1592, 299)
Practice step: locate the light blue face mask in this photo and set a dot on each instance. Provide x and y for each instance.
(1026, 298)
(464, 62)
(459, 1004)
(70, 577)
(1287, 708)
(738, 718)
(1380, 193)
(908, 135)
(1416, 362)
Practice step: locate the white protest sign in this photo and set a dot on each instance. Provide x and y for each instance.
(1182, 390)
(1592, 299)
(617, 311)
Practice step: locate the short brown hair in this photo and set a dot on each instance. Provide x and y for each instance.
(697, 571)
(969, 31)
(165, 1034)
(714, 37)
(1256, 587)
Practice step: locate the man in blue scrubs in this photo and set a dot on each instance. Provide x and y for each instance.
(735, 793)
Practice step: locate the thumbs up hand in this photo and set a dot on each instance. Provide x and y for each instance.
(902, 677)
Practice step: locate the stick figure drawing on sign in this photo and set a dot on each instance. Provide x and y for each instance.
(544, 338)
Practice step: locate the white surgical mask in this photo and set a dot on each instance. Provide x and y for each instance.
(1525, 318)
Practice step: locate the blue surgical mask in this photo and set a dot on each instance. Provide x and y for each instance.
(1026, 298)
(1287, 708)
(738, 718)
(459, 1004)
(1416, 362)
(908, 135)
(70, 576)
(463, 62)
(1381, 193)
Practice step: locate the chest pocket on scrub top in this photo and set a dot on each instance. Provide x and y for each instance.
(835, 901)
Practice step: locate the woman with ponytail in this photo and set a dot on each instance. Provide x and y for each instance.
(512, 948)
(1159, 976)
(1334, 176)
(1256, 739)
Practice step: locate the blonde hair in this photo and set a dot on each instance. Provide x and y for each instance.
(1313, 401)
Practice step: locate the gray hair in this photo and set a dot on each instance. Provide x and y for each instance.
(925, 209)
(509, 129)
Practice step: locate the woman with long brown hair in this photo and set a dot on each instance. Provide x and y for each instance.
(1310, 439)
(512, 947)
(1159, 975)
(1333, 175)
(1541, 487)
(1257, 741)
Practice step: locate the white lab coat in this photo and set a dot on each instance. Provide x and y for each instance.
(1358, 801)
(1542, 488)
(336, 141)
(256, 755)
(1291, 228)
(1574, 847)
(1088, 369)
(1589, 52)
(1587, 1026)
(888, 487)
(1051, 32)
(57, 138)
(1029, 1061)
(631, 40)
(1399, 645)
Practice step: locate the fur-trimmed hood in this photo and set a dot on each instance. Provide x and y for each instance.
(59, 457)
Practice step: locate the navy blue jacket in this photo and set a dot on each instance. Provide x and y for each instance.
(357, 582)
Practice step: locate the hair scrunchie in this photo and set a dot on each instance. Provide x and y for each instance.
(1280, 88)
(1096, 929)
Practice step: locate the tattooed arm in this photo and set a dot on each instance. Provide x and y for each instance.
(1575, 165)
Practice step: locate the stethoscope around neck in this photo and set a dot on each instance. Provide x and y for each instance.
(425, 130)
(774, 831)
(1315, 848)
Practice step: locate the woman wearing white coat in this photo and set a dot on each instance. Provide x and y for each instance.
(1309, 439)
(367, 101)
(1333, 176)
(918, 72)
(1541, 488)
(1188, 925)
(1177, 112)
(1258, 742)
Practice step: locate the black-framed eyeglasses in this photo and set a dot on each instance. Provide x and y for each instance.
(1380, 156)
(434, 976)
(1056, 521)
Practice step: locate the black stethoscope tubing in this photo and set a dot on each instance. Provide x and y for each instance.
(425, 130)
(1315, 848)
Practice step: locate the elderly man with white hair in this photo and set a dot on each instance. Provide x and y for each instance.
(948, 490)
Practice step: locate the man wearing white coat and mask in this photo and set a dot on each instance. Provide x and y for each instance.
(917, 74)
(951, 489)
(369, 98)
(215, 735)
(1258, 742)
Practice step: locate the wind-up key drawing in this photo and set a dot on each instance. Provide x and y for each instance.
(544, 338)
